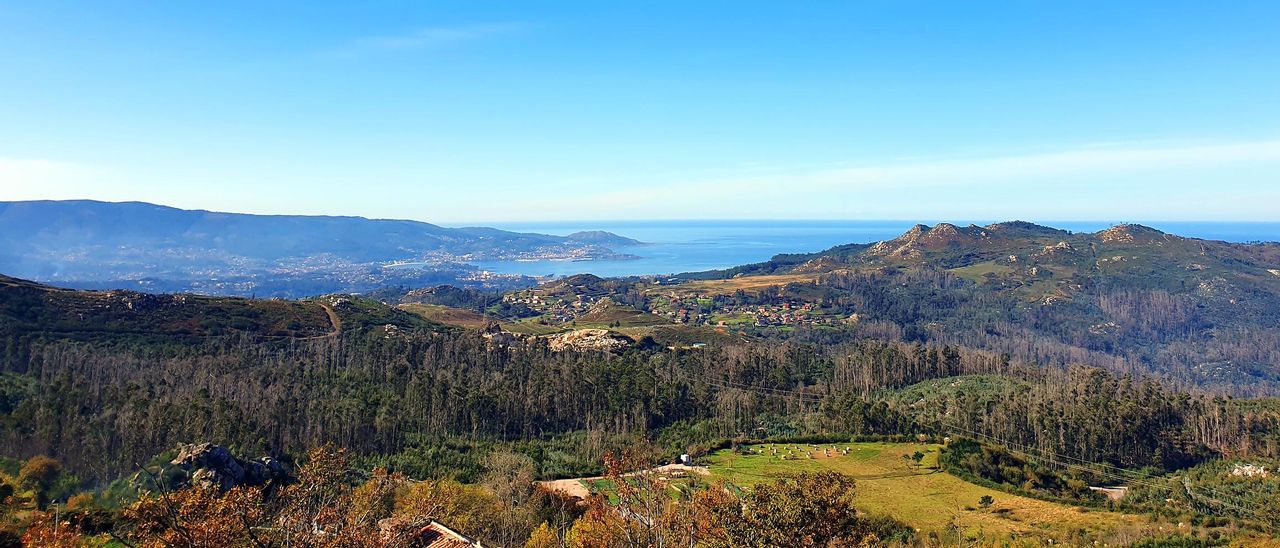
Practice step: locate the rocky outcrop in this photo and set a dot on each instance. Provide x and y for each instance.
(589, 339)
(213, 466)
(821, 264)
(1056, 251)
(1131, 234)
(496, 337)
(945, 235)
(1249, 471)
(901, 247)
(920, 239)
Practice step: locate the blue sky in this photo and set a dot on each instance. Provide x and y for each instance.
(473, 111)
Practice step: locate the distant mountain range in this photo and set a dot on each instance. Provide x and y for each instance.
(145, 246)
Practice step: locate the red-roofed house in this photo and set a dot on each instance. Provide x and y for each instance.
(437, 535)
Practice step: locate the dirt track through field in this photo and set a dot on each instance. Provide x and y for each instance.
(334, 322)
(577, 487)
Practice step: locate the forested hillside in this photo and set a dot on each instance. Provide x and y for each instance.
(384, 375)
(1130, 299)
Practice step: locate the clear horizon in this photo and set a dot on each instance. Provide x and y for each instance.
(458, 113)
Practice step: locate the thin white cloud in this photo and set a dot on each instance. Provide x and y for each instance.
(1085, 161)
(1203, 181)
(425, 38)
(1110, 159)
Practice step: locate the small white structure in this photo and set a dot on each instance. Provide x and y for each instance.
(1113, 493)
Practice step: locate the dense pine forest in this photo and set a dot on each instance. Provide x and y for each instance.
(373, 392)
(433, 403)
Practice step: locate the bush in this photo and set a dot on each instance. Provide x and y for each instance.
(1176, 541)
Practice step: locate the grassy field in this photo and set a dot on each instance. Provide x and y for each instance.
(447, 315)
(629, 322)
(609, 315)
(731, 285)
(977, 272)
(937, 504)
(468, 319)
(530, 326)
(923, 496)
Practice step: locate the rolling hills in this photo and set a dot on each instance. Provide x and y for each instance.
(919, 339)
(1129, 298)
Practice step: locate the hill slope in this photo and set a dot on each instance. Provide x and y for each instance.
(28, 308)
(1128, 298)
(925, 497)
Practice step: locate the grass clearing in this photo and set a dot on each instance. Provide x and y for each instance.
(447, 315)
(530, 326)
(921, 496)
(978, 272)
(619, 316)
(732, 285)
(918, 494)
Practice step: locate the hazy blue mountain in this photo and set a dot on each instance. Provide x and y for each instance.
(91, 243)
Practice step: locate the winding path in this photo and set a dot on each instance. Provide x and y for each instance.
(335, 323)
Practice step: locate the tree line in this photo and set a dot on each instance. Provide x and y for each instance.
(101, 408)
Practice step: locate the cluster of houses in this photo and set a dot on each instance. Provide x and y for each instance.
(785, 314)
(685, 315)
(793, 313)
(679, 310)
(556, 309)
(487, 276)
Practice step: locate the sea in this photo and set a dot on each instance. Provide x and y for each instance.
(672, 247)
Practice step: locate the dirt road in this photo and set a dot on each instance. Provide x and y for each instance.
(577, 487)
(335, 324)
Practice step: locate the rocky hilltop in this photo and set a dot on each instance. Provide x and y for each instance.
(1130, 297)
(1119, 251)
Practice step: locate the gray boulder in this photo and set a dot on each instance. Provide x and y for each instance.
(213, 466)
